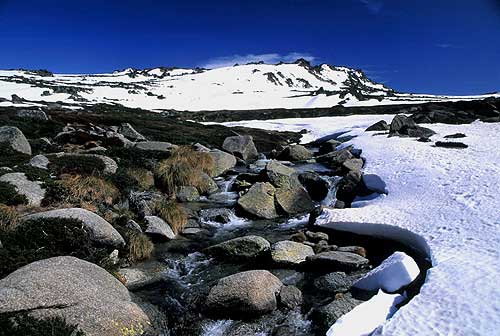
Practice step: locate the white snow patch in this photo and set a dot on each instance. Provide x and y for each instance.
(395, 272)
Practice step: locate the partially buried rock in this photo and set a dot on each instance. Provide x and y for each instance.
(335, 260)
(259, 201)
(100, 230)
(325, 316)
(328, 146)
(40, 161)
(33, 191)
(158, 146)
(80, 292)
(278, 174)
(378, 126)
(36, 114)
(450, 144)
(335, 282)
(244, 295)
(295, 153)
(316, 236)
(13, 138)
(290, 297)
(401, 123)
(158, 228)
(222, 161)
(316, 186)
(455, 136)
(290, 253)
(241, 248)
(242, 146)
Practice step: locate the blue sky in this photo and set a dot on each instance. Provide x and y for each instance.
(438, 46)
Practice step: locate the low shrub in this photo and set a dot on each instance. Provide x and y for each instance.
(76, 164)
(8, 218)
(10, 157)
(91, 189)
(172, 213)
(34, 173)
(22, 324)
(136, 158)
(184, 168)
(46, 238)
(143, 177)
(9, 195)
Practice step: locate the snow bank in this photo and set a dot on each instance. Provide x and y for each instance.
(444, 202)
(366, 317)
(395, 272)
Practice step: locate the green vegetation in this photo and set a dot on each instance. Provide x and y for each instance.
(9, 195)
(22, 324)
(76, 164)
(11, 158)
(46, 238)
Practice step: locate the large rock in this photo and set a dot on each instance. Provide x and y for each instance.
(294, 199)
(380, 126)
(158, 146)
(223, 161)
(101, 231)
(375, 183)
(33, 191)
(278, 174)
(290, 253)
(241, 248)
(109, 165)
(316, 186)
(325, 316)
(295, 153)
(243, 295)
(335, 260)
(241, 146)
(349, 187)
(328, 146)
(157, 227)
(81, 292)
(401, 123)
(35, 114)
(129, 132)
(14, 139)
(290, 297)
(259, 201)
(335, 282)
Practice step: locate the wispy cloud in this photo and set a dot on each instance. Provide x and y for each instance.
(224, 61)
(447, 46)
(374, 6)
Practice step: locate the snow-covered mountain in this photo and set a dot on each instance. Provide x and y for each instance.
(249, 86)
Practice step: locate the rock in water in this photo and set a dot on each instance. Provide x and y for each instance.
(278, 174)
(33, 192)
(259, 201)
(316, 186)
(294, 199)
(335, 260)
(79, 291)
(335, 282)
(241, 248)
(101, 231)
(14, 139)
(290, 253)
(223, 161)
(327, 315)
(158, 227)
(245, 294)
(241, 146)
(295, 153)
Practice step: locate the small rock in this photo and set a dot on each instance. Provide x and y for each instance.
(353, 249)
(187, 194)
(374, 183)
(157, 227)
(450, 144)
(324, 317)
(223, 161)
(353, 165)
(317, 236)
(290, 297)
(316, 186)
(241, 248)
(129, 132)
(133, 225)
(293, 199)
(455, 136)
(299, 237)
(336, 260)
(36, 114)
(158, 146)
(278, 174)
(40, 161)
(378, 126)
(295, 153)
(290, 253)
(259, 201)
(218, 215)
(328, 146)
(242, 146)
(335, 282)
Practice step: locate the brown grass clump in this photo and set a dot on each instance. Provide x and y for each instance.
(89, 189)
(172, 213)
(184, 168)
(144, 178)
(140, 246)
(8, 218)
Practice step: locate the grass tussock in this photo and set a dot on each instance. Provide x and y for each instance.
(139, 246)
(89, 189)
(184, 168)
(143, 177)
(172, 213)
(8, 218)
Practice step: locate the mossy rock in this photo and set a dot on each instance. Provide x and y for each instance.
(22, 324)
(9, 195)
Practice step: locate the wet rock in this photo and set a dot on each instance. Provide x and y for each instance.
(243, 295)
(336, 260)
(353, 165)
(223, 161)
(450, 144)
(317, 236)
(100, 230)
(140, 276)
(241, 146)
(209, 184)
(218, 215)
(316, 186)
(325, 316)
(40, 161)
(157, 227)
(278, 174)
(129, 132)
(293, 199)
(378, 126)
(13, 138)
(158, 146)
(187, 194)
(335, 282)
(328, 146)
(33, 191)
(259, 201)
(290, 253)
(353, 249)
(290, 297)
(240, 249)
(295, 153)
(35, 114)
(80, 292)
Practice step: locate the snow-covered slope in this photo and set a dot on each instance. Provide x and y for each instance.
(448, 198)
(241, 87)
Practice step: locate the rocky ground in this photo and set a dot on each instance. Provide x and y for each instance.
(116, 221)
